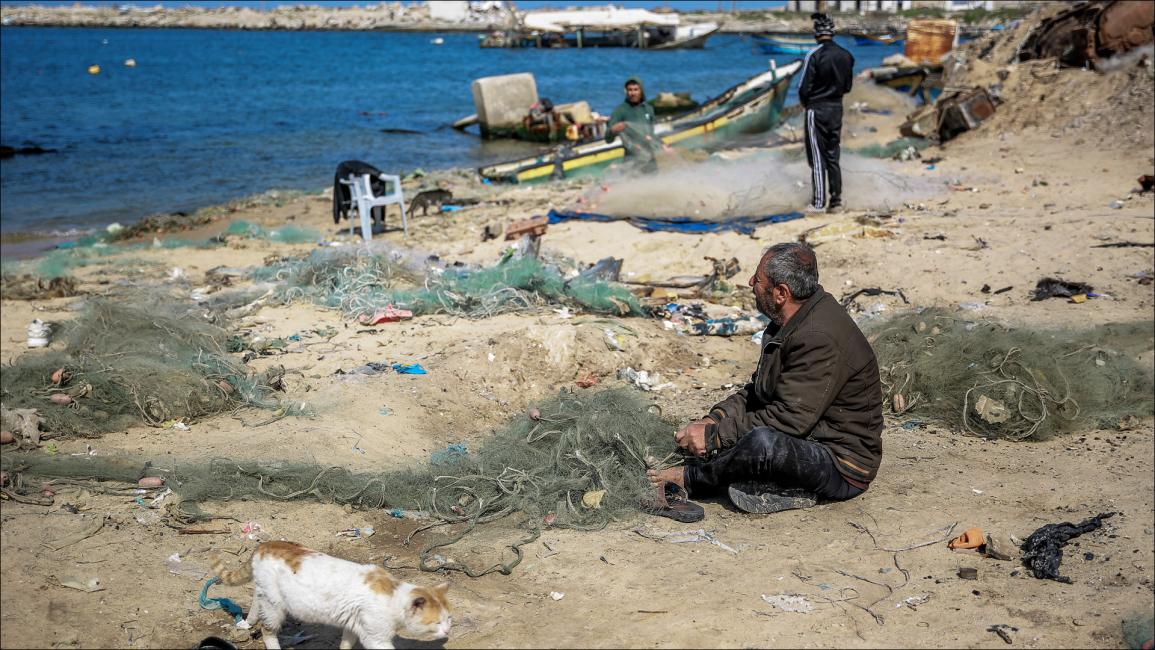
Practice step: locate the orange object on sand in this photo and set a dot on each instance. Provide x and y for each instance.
(972, 538)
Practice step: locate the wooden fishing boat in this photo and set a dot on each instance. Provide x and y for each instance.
(864, 39)
(923, 82)
(780, 44)
(753, 106)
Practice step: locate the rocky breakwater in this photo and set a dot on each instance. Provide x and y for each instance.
(384, 16)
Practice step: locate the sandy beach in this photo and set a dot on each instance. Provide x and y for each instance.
(1035, 191)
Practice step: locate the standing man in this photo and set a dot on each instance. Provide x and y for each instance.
(808, 426)
(827, 75)
(633, 120)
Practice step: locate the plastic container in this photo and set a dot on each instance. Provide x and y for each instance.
(38, 334)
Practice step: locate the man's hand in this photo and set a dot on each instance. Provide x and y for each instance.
(618, 128)
(692, 437)
(667, 149)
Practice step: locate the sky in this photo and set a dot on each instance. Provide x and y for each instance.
(521, 4)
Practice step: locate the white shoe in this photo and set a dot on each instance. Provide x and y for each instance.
(814, 209)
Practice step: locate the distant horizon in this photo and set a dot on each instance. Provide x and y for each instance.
(265, 5)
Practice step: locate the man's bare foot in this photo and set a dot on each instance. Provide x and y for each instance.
(659, 477)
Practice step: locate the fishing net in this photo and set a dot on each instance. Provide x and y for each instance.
(578, 464)
(362, 281)
(287, 234)
(122, 366)
(996, 381)
(892, 149)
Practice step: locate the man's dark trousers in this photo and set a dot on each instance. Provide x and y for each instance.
(823, 135)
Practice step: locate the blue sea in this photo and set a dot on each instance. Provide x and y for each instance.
(206, 116)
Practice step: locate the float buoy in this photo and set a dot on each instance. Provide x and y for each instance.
(130, 63)
(93, 69)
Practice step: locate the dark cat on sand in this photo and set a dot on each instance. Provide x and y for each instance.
(427, 198)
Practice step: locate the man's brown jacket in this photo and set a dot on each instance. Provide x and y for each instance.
(817, 378)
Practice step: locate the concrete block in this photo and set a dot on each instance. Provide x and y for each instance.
(501, 102)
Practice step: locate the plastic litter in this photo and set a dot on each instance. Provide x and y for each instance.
(643, 379)
(357, 533)
(788, 602)
(1043, 550)
(88, 585)
(410, 369)
(229, 605)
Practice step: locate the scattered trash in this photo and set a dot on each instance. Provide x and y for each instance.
(88, 585)
(593, 499)
(251, 529)
(229, 605)
(914, 601)
(1116, 205)
(998, 548)
(39, 333)
(151, 482)
(968, 573)
(389, 314)
(689, 536)
(972, 538)
(643, 379)
(789, 602)
(612, 342)
(873, 291)
(178, 567)
(1146, 183)
(1043, 550)
(587, 381)
(991, 410)
(1057, 288)
(357, 533)
(1004, 631)
(1127, 244)
(535, 226)
(449, 455)
(410, 369)
(556, 595)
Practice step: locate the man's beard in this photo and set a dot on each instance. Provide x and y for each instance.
(769, 308)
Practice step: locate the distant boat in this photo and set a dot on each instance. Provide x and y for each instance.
(779, 44)
(581, 28)
(753, 106)
(438, 41)
(863, 39)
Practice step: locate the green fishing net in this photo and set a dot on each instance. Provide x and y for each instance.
(577, 462)
(1017, 383)
(125, 365)
(360, 282)
(287, 234)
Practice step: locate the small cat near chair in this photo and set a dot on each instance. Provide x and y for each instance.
(427, 198)
(364, 600)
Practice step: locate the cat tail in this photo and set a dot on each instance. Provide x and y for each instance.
(232, 576)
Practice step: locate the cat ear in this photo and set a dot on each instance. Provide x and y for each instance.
(441, 589)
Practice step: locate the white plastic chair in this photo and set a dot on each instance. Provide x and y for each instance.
(361, 193)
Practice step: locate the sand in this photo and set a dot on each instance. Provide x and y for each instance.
(1040, 203)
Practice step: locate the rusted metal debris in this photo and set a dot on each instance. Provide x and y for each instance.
(1089, 32)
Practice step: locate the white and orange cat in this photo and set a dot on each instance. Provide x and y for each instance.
(363, 600)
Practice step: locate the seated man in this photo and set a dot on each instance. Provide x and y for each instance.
(809, 423)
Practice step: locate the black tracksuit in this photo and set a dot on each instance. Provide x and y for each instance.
(827, 75)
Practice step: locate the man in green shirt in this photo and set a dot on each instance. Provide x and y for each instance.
(633, 120)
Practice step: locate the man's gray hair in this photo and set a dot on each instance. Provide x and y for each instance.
(794, 265)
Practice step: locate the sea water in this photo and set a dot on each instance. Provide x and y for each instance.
(206, 116)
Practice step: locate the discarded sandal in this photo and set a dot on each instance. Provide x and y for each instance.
(388, 315)
(673, 501)
(768, 498)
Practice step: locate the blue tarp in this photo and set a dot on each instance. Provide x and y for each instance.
(744, 225)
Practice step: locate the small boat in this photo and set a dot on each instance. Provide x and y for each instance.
(923, 82)
(864, 39)
(779, 44)
(611, 27)
(753, 106)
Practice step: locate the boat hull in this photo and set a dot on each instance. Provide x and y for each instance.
(777, 45)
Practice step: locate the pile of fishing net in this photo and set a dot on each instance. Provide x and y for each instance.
(125, 365)
(364, 280)
(576, 461)
(996, 381)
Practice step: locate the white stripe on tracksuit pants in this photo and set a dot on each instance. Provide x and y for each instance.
(817, 169)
